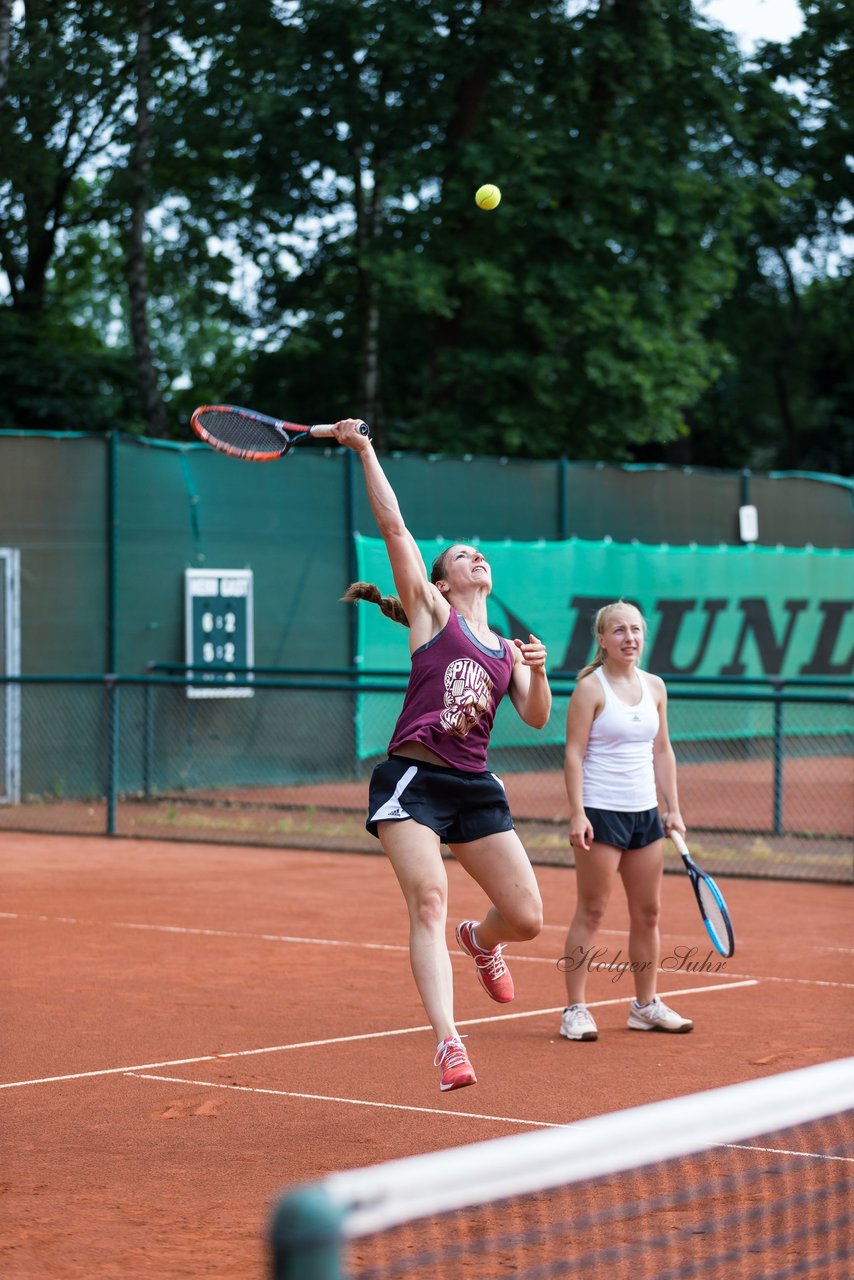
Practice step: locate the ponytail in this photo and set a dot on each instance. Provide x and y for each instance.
(390, 605)
(598, 661)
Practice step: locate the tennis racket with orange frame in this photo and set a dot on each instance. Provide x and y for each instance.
(251, 436)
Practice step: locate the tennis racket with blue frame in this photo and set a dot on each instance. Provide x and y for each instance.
(252, 436)
(713, 909)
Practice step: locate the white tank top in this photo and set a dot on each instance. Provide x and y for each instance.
(618, 770)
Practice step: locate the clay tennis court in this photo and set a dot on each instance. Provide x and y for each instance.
(190, 1028)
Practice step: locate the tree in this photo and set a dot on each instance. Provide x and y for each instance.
(784, 398)
(577, 308)
(272, 203)
(137, 271)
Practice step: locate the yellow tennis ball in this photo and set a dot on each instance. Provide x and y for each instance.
(487, 196)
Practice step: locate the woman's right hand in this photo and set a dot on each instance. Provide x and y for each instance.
(580, 831)
(347, 433)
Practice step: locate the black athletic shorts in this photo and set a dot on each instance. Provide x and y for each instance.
(625, 830)
(458, 806)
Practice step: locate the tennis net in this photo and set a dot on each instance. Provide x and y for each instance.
(749, 1182)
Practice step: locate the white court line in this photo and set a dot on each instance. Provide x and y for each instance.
(268, 937)
(781, 1151)
(368, 1035)
(354, 1102)
(369, 946)
(440, 1111)
(205, 933)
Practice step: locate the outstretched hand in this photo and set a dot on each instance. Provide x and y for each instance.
(533, 652)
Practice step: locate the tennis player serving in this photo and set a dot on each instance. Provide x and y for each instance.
(617, 753)
(435, 786)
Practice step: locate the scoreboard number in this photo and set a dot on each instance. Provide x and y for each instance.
(219, 631)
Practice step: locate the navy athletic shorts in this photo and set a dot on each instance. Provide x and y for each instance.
(458, 806)
(625, 830)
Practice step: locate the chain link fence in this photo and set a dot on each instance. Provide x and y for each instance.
(137, 756)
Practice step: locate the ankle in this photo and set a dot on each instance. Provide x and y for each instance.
(475, 941)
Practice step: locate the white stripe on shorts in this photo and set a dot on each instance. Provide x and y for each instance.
(392, 807)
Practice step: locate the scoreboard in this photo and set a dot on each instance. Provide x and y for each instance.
(218, 631)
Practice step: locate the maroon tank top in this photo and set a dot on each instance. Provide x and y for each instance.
(455, 686)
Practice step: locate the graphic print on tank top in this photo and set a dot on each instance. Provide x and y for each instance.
(455, 685)
(468, 694)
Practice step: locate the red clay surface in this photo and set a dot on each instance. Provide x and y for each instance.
(191, 1028)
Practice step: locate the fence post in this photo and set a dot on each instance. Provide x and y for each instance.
(350, 524)
(563, 498)
(113, 740)
(779, 751)
(112, 534)
(306, 1236)
(147, 733)
(746, 474)
(352, 575)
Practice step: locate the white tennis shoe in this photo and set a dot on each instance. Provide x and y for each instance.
(577, 1023)
(656, 1016)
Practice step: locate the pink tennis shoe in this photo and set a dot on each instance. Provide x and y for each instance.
(491, 969)
(453, 1063)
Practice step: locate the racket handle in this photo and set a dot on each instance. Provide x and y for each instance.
(328, 429)
(679, 842)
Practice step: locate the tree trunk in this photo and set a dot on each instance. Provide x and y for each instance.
(5, 37)
(152, 401)
(782, 364)
(462, 127)
(371, 326)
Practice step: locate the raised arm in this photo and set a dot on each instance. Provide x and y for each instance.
(421, 600)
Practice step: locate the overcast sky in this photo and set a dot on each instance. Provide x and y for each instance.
(755, 20)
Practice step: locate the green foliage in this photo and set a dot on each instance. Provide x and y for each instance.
(61, 378)
(658, 280)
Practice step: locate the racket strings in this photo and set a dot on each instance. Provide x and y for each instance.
(242, 432)
(713, 913)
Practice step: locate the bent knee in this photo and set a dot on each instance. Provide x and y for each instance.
(528, 922)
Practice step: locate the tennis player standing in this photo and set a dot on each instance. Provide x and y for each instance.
(618, 759)
(434, 786)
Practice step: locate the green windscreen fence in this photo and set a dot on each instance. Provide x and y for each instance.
(711, 611)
